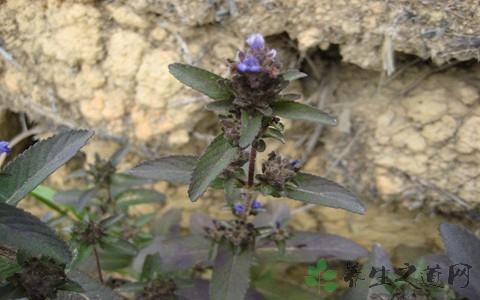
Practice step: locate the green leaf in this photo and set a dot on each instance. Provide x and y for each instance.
(321, 265)
(8, 267)
(216, 158)
(26, 233)
(313, 271)
(220, 105)
(175, 169)
(280, 288)
(138, 196)
(311, 281)
(329, 275)
(321, 191)
(231, 274)
(330, 286)
(299, 111)
(291, 75)
(115, 245)
(288, 97)
(31, 167)
(275, 134)
(113, 261)
(152, 266)
(202, 80)
(250, 127)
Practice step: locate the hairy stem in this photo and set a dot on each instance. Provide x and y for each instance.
(251, 167)
(251, 176)
(97, 260)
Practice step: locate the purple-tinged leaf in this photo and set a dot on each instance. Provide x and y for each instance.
(92, 288)
(169, 223)
(310, 247)
(36, 163)
(175, 169)
(463, 248)
(231, 274)
(202, 80)
(275, 212)
(25, 232)
(218, 155)
(302, 112)
(361, 289)
(250, 127)
(321, 191)
(184, 252)
(220, 105)
(198, 222)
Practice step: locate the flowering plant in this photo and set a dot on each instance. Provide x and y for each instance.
(250, 105)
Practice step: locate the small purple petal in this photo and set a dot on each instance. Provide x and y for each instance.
(238, 207)
(295, 162)
(277, 224)
(250, 63)
(256, 205)
(272, 53)
(4, 147)
(256, 41)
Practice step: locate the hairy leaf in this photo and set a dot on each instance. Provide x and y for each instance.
(220, 105)
(138, 196)
(231, 274)
(93, 289)
(292, 75)
(26, 233)
(463, 249)
(282, 288)
(202, 80)
(321, 191)
(299, 111)
(250, 127)
(175, 169)
(275, 134)
(310, 247)
(216, 158)
(31, 167)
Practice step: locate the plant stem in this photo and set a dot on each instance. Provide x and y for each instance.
(251, 167)
(251, 176)
(97, 260)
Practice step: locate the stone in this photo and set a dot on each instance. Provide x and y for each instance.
(468, 136)
(426, 106)
(440, 131)
(125, 51)
(155, 83)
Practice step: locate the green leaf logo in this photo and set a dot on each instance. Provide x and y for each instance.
(315, 279)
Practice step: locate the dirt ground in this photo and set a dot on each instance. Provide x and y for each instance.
(402, 77)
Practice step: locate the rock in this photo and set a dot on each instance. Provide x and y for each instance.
(468, 136)
(426, 106)
(440, 131)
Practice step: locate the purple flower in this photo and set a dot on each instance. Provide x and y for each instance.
(4, 147)
(238, 207)
(250, 64)
(256, 41)
(295, 162)
(256, 205)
